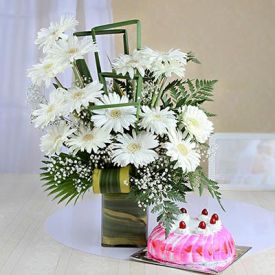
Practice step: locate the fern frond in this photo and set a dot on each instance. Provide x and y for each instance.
(199, 181)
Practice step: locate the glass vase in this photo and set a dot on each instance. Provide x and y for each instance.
(123, 222)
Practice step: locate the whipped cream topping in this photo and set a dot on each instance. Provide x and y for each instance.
(192, 225)
(204, 218)
(181, 217)
(216, 227)
(184, 217)
(205, 231)
(182, 231)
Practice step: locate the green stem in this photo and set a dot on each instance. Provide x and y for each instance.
(133, 82)
(155, 95)
(59, 83)
(109, 106)
(160, 94)
(153, 99)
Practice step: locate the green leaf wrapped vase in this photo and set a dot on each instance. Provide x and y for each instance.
(123, 222)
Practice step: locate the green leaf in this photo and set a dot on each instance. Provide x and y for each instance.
(84, 70)
(191, 57)
(190, 92)
(199, 181)
(65, 189)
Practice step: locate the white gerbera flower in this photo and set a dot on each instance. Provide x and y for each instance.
(196, 123)
(47, 37)
(135, 149)
(166, 63)
(168, 69)
(45, 71)
(88, 140)
(52, 142)
(149, 54)
(130, 63)
(115, 119)
(173, 55)
(52, 110)
(158, 121)
(183, 152)
(68, 50)
(77, 98)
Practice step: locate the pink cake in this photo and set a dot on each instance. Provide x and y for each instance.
(202, 240)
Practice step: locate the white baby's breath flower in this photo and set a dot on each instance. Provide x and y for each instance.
(157, 121)
(36, 96)
(52, 110)
(196, 123)
(88, 140)
(135, 149)
(52, 142)
(182, 151)
(77, 98)
(130, 63)
(47, 37)
(115, 119)
(68, 50)
(45, 71)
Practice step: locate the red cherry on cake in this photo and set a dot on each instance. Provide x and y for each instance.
(183, 210)
(215, 216)
(202, 225)
(213, 220)
(204, 212)
(182, 225)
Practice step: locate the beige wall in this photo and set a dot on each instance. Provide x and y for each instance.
(235, 41)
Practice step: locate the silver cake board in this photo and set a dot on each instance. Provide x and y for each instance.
(141, 256)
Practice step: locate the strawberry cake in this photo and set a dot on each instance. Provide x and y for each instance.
(202, 240)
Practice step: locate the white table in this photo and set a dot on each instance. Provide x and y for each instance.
(25, 248)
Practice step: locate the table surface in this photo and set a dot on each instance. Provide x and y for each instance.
(26, 249)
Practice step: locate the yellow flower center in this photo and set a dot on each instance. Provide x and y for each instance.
(115, 113)
(157, 117)
(88, 137)
(133, 147)
(48, 66)
(78, 95)
(72, 51)
(57, 138)
(182, 149)
(194, 122)
(50, 108)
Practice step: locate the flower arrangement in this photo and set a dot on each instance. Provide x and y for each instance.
(148, 118)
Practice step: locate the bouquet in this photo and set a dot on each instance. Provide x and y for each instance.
(147, 120)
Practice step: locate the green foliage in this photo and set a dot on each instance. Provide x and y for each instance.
(191, 57)
(189, 92)
(123, 88)
(84, 70)
(208, 113)
(66, 177)
(199, 181)
(168, 214)
(167, 101)
(160, 185)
